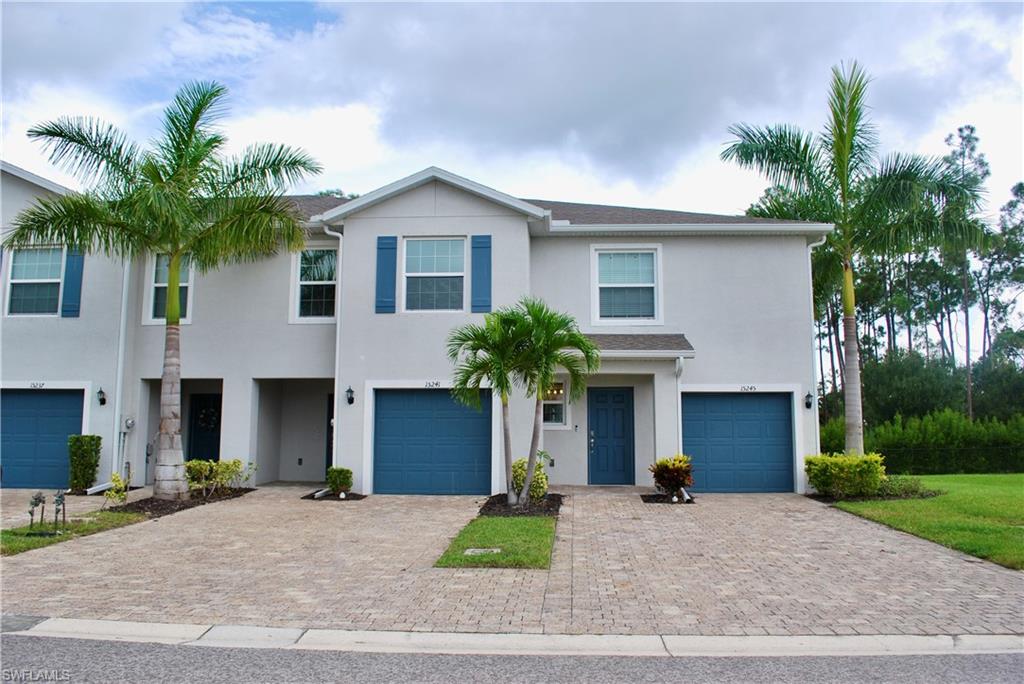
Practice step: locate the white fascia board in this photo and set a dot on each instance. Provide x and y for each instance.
(808, 229)
(30, 177)
(425, 176)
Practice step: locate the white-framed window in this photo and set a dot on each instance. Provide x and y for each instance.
(316, 284)
(555, 407)
(155, 310)
(626, 284)
(35, 280)
(434, 274)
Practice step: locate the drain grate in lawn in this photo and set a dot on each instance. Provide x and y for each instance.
(521, 542)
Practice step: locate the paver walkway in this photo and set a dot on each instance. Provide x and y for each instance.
(732, 564)
(14, 504)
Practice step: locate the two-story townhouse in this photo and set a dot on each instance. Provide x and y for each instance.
(337, 354)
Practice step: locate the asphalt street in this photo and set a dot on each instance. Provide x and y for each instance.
(26, 658)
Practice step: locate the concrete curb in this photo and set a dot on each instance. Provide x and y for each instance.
(247, 636)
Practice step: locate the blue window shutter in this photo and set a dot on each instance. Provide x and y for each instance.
(387, 263)
(480, 298)
(71, 304)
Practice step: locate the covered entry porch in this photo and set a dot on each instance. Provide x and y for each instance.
(293, 429)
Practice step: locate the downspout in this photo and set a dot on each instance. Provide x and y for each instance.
(338, 393)
(814, 363)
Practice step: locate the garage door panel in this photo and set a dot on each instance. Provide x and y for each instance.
(34, 430)
(739, 442)
(427, 443)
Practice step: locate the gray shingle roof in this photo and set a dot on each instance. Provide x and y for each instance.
(643, 342)
(574, 212)
(590, 214)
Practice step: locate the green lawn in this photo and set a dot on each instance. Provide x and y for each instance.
(525, 542)
(17, 539)
(982, 515)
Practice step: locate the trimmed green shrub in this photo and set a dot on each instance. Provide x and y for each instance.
(84, 460)
(672, 474)
(842, 476)
(339, 479)
(539, 486)
(941, 442)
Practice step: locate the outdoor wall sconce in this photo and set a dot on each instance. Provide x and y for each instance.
(350, 396)
(101, 396)
(809, 400)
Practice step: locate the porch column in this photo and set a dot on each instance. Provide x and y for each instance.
(238, 409)
(666, 415)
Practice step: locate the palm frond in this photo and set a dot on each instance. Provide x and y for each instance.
(188, 120)
(266, 166)
(849, 135)
(89, 149)
(242, 229)
(78, 221)
(784, 154)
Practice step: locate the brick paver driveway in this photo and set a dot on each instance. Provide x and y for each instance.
(732, 564)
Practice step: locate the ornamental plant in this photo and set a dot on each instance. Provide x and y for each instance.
(339, 479)
(539, 486)
(118, 492)
(844, 476)
(672, 475)
(84, 460)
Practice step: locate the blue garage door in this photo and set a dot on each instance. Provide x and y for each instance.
(739, 442)
(34, 430)
(427, 443)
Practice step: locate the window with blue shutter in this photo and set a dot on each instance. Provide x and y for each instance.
(387, 265)
(481, 275)
(71, 302)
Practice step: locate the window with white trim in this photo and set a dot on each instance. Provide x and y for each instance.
(161, 270)
(317, 280)
(554, 405)
(36, 274)
(435, 274)
(627, 286)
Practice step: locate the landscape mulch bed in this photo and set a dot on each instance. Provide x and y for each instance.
(155, 508)
(497, 506)
(664, 499)
(350, 496)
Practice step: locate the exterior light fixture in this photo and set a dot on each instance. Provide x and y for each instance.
(350, 396)
(101, 396)
(809, 400)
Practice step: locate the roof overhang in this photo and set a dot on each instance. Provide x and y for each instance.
(425, 176)
(30, 177)
(808, 230)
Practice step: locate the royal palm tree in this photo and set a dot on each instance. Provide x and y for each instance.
(181, 201)
(555, 345)
(876, 203)
(491, 355)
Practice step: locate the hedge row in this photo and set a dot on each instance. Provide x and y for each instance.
(940, 442)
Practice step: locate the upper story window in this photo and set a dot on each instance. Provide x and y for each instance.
(627, 285)
(35, 283)
(435, 274)
(554, 405)
(156, 306)
(317, 279)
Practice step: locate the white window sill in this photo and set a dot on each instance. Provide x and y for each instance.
(626, 321)
(313, 320)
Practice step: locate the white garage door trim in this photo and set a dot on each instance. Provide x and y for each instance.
(369, 407)
(43, 385)
(797, 411)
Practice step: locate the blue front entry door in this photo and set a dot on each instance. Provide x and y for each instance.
(739, 442)
(34, 430)
(425, 442)
(610, 426)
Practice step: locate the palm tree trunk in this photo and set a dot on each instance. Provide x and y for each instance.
(531, 463)
(506, 429)
(169, 480)
(851, 376)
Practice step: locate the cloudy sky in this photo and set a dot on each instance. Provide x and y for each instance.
(614, 103)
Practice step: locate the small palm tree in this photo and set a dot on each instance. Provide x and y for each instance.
(181, 201)
(888, 204)
(490, 355)
(555, 343)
